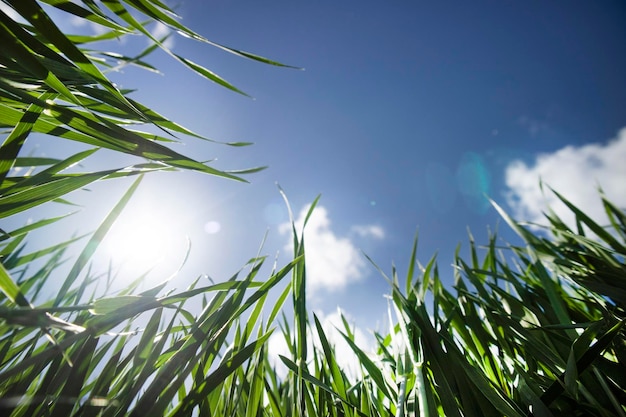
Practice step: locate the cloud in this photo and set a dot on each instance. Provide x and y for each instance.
(534, 126)
(79, 23)
(574, 172)
(160, 31)
(369, 231)
(332, 262)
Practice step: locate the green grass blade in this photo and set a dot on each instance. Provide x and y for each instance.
(11, 289)
(14, 141)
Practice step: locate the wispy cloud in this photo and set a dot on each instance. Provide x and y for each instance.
(332, 261)
(576, 173)
(534, 126)
(81, 24)
(160, 31)
(369, 231)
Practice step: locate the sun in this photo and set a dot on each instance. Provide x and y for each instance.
(144, 239)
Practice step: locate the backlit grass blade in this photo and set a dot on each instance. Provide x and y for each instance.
(74, 381)
(616, 217)
(252, 56)
(208, 74)
(87, 14)
(105, 36)
(39, 194)
(316, 382)
(101, 132)
(256, 373)
(586, 359)
(102, 102)
(17, 259)
(31, 161)
(14, 141)
(157, 14)
(216, 377)
(373, 371)
(121, 11)
(30, 10)
(205, 335)
(10, 288)
(104, 306)
(339, 384)
(592, 225)
(412, 264)
(104, 383)
(47, 175)
(32, 226)
(16, 51)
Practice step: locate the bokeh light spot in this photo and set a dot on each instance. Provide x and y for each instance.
(474, 182)
(212, 227)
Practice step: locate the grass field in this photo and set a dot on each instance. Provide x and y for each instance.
(536, 329)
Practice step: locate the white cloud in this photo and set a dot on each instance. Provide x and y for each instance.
(332, 262)
(160, 31)
(80, 23)
(77, 22)
(369, 231)
(534, 126)
(574, 172)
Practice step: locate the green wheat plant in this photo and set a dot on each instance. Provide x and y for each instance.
(526, 330)
(533, 330)
(89, 350)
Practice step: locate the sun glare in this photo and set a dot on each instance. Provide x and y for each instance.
(145, 239)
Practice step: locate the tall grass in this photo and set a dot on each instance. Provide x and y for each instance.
(532, 330)
(525, 330)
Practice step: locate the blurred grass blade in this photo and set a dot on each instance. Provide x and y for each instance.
(13, 143)
(10, 288)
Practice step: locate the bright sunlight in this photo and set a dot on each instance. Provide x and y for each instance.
(144, 238)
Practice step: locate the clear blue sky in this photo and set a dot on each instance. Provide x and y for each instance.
(406, 114)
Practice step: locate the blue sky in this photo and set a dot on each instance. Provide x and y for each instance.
(406, 115)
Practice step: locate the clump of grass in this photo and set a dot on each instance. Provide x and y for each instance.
(530, 330)
(89, 350)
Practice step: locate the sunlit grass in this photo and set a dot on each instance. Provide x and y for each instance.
(530, 330)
